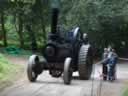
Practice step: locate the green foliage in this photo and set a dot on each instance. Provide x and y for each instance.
(19, 14)
(105, 21)
(11, 30)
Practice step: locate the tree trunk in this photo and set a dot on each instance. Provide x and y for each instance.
(20, 31)
(44, 32)
(32, 38)
(3, 29)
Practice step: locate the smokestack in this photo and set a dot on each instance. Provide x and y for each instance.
(55, 4)
(55, 13)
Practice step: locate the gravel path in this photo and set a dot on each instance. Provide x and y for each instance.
(48, 86)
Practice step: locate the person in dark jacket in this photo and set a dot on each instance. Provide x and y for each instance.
(104, 64)
(112, 61)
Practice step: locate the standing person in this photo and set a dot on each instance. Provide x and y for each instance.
(112, 57)
(104, 64)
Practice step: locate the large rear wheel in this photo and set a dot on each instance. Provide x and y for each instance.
(85, 61)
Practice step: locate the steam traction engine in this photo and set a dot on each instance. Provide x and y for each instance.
(62, 54)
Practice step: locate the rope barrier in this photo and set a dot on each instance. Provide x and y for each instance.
(125, 59)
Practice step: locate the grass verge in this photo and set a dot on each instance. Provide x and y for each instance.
(8, 72)
(125, 92)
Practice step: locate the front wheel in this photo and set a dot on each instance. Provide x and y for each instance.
(67, 75)
(33, 61)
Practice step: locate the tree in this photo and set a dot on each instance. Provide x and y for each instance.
(3, 8)
(2, 17)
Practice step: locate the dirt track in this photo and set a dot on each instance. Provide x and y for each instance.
(48, 86)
